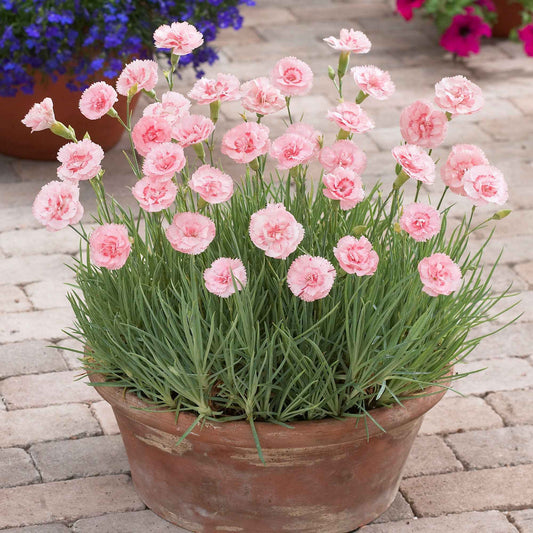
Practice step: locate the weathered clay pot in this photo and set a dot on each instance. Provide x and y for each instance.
(509, 17)
(326, 476)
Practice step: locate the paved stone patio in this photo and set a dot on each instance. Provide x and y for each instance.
(62, 463)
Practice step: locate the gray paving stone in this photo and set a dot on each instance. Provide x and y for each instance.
(399, 510)
(16, 468)
(21, 270)
(13, 299)
(12, 218)
(30, 357)
(41, 528)
(133, 522)
(72, 359)
(523, 520)
(106, 418)
(515, 407)
(430, 455)
(48, 294)
(39, 241)
(514, 340)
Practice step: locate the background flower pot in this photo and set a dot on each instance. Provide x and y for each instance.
(322, 475)
(509, 17)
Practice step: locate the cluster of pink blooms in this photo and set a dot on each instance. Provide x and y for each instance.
(167, 127)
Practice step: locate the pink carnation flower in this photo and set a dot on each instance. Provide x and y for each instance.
(224, 88)
(406, 7)
(311, 278)
(292, 76)
(97, 100)
(149, 132)
(374, 81)
(57, 205)
(307, 132)
(343, 154)
(416, 163)
(461, 158)
(350, 41)
(422, 125)
(164, 160)
(350, 117)
(260, 96)
(154, 195)
(485, 184)
(141, 72)
(420, 221)
(223, 275)
(173, 107)
(356, 256)
(245, 142)
(345, 185)
(458, 95)
(110, 246)
(190, 233)
(439, 275)
(276, 231)
(193, 129)
(80, 161)
(180, 37)
(40, 116)
(213, 185)
(291, 150)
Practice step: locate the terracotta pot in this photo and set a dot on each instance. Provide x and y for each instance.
(324, 476)
(509, 17)
(16, 140)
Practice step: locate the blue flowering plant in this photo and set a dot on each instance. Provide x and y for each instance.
(89, 38)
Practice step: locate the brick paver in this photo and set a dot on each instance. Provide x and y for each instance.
(62, 463)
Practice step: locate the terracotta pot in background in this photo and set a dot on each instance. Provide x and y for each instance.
(321, 475)
(509, 17)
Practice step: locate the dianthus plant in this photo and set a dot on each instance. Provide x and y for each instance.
(296, 294)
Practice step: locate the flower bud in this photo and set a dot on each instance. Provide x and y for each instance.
(59, 129)
(331, 72)
(214, 108)
(344, 59)
(501, 214)
(400, 180)
(199, 150)
(357, 231)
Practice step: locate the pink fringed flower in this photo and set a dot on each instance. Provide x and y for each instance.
(344, 185)
(57, 205)
(224, 275)
(307, 132)
(311, 278)
(173, 107)
(461, 158)
(356, 256)
(154, 195)
(374, 81)
(276, 231)
(458, 96)
(485, 184)
(260, 96)
(343, 154)
(149, 132)
(164, 160)
(40, 116)
(406, 7)
(439, 275)
(110, 246)
(291, 150)
(416, 163)
(422, 125)
(463, 36)
(350, 41)
(213, 185)
(141, 72)
(97, 100)
(420, 221)
(193, 129)
(224, 88)
(292, 76)
(80, 161)
(350, 117)
(180, 37)
(190, 233)
(245, 142)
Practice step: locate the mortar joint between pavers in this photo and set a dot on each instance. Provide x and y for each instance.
(511, 521)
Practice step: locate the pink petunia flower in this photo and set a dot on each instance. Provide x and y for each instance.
(164, 160)
(345, 185)
(420, 221)
(439, 275)
(40, 116)
(275, 231)
(458, 96)
(180, 37)
(343, 154)
(245, 142)
(140, 72)
(462, 157)
(154, 195)
(190, 233)
(350, 41)
(224, 275)
(463, 36)
(173, 107)
(110, 246)
(416, 163)
(292, 76)
(525, 34)
(422, 125)
(213, 185)
(406, 7)
(485, 184)
(97, 100)
(307, 132)
(80, 160)
(260, 96)
(224, 88)
(291, 150)
(374, 81)
(149, 132)
(350, 117)
(311, 278)
(356, 256)
(193, 129)
(57, 205)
